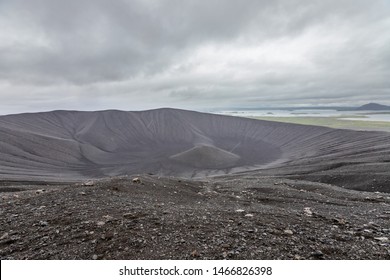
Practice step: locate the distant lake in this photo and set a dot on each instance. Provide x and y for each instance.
(374, 117)
(344, 115)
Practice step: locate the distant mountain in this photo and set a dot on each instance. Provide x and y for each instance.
(373, 107)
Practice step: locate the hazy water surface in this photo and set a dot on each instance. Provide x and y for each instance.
(345, 115)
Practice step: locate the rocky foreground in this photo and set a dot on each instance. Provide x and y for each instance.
(148, 217)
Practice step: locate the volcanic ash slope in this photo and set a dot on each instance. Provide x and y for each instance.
(71, 146)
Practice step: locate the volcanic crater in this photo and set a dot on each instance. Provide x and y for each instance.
(73, 146)
(175, 184)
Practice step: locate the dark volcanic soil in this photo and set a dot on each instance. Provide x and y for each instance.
(284, 191)
(242, 217)
(75, 146)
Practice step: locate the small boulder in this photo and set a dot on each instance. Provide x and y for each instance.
(136, 180)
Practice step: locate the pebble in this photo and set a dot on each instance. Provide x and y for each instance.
(240, 210)
(43, 223)
(100, 223)
(94, 257)
(308, 211)
(288, 232)
(339, 221)
(249, 215)
(381, 239)
(136, 180)
(195, 254)
(108, 218)
(131, 216)
(317, 254)
(4, 236)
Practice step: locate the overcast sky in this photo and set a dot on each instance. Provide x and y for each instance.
(133, 55)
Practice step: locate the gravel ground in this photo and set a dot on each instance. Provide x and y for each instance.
(250, 216)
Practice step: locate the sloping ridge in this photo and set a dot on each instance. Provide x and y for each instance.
(72, 145)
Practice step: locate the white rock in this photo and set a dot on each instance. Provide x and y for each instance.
(108, 218)
(308, 211)
(381, 239)
(136, 180)
(4, 236)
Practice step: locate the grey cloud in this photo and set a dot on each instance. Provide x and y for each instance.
(129, 50)
(111, 40)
